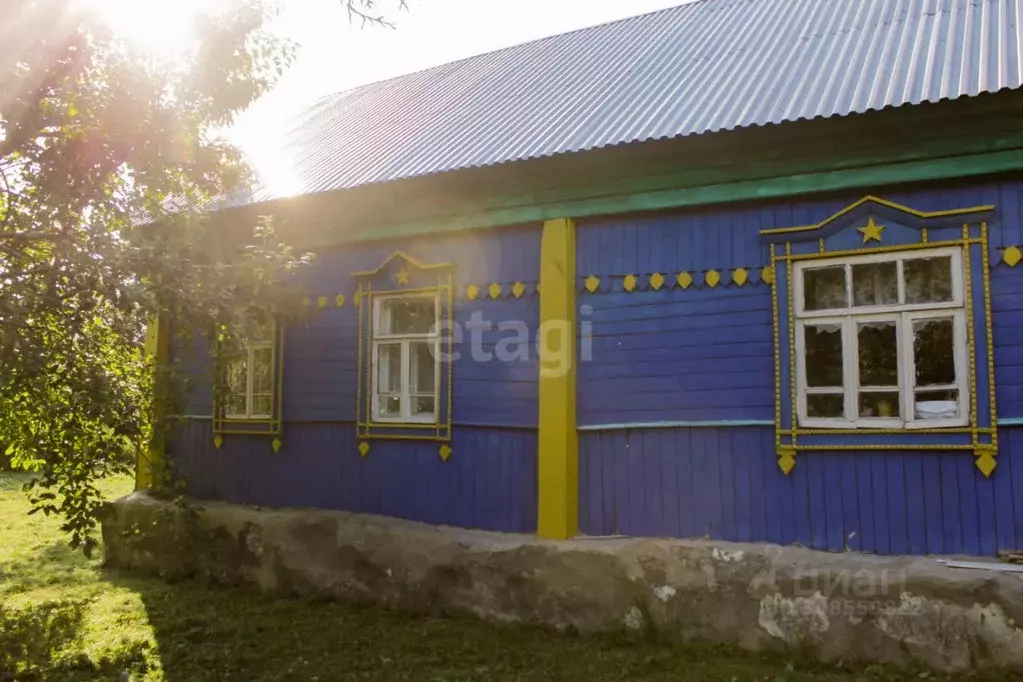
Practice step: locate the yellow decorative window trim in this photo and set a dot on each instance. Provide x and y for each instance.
(402, 277)
(268, 424)
(870, 217)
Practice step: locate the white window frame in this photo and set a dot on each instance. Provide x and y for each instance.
(405, 341)
(903, 315)
(251, 350)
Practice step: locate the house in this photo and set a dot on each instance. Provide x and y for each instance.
(744, 269)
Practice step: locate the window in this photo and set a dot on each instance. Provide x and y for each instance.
(406, 368)
(881, 341)
(250, 380)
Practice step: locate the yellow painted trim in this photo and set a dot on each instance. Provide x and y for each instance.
(404, 256)
(985, 453)
(965, 447)
(971, 343)
(884, 202)
(777, 363)
(150, 465)
(986, 463)
(427, 438)
(558, 444)
(366, 428)
(884, 432)
(790, 268)
(426, 426)
(243, 432)
(877, 249)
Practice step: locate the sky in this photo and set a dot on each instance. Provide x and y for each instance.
(336, 55)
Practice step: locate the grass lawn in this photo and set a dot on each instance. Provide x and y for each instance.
(64, 618)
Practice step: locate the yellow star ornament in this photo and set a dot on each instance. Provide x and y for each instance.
(402, 276)
(871, 231)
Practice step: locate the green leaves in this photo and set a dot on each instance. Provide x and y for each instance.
(106, 162)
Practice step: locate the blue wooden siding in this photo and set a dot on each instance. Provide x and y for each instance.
(705, 355)
(490, 480)
(723, 483)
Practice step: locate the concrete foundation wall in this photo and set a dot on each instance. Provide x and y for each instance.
(848, 606)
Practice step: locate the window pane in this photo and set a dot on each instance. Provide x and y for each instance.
(235, 405)
(823, 355)
(876, 284)
(423, 374)
(262, 404)
(262, 377)
(937, 405)
(824, 288)
(825, 406)
(423, 405)
(388, 368)
(933, 352)
(928, 280)
(237, 377)
(879, 354)
(407, 316)
(388, 406)
(882, 404)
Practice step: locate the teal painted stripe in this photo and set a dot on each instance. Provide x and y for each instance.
(625, 426)
(464, 425)
(632, 426)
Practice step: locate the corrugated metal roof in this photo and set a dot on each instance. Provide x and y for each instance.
(706, 66)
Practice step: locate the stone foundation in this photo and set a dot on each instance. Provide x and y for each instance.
(832, 606)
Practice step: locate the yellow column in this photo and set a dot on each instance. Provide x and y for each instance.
(558, 455)
(149, 467)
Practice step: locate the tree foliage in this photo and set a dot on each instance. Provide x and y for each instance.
(108, 155)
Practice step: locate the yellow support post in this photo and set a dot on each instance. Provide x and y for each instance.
(558, 453)
(150, 464)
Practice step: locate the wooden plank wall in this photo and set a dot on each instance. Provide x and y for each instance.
(704, 354)
(722, 483)
(489, 482)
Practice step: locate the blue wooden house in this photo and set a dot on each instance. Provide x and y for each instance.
(740, 269)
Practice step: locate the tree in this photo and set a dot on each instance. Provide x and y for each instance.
(107, 157)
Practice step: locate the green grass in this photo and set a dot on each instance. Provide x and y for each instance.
(65, 618)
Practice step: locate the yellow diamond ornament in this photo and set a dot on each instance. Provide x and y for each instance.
(445, 452)
(592, 283)
(986, 463)
(685, 280)
(518, 289)
(363, 448)
(713, 278)
(629, 283)
(740, 276)
(1012, 256)
(656, 281)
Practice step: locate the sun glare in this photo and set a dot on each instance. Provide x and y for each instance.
(162, 26)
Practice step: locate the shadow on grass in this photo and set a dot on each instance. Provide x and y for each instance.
(205, 633)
